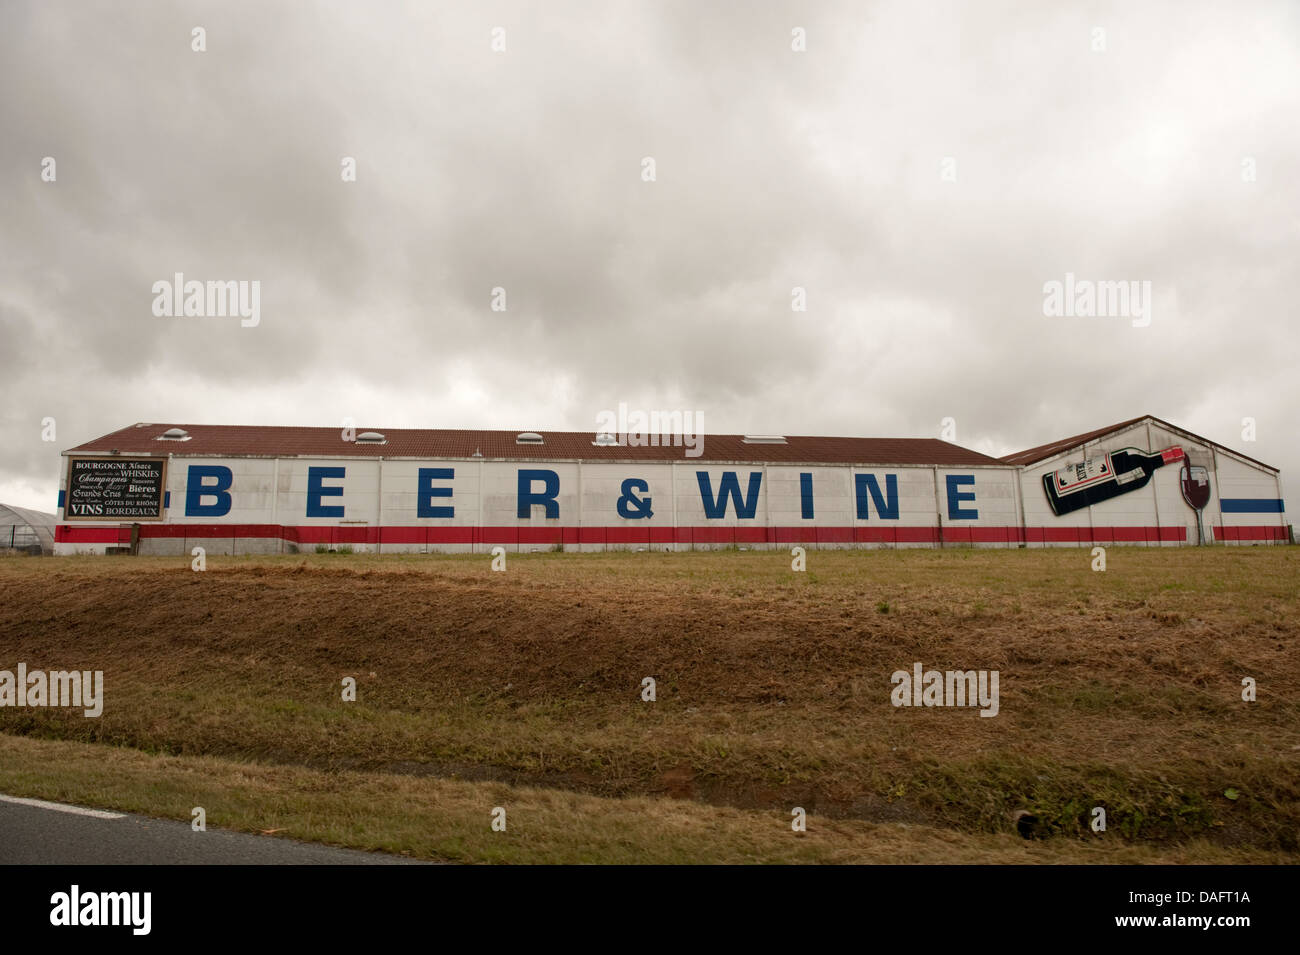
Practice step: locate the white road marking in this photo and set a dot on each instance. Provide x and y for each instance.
(60, 807)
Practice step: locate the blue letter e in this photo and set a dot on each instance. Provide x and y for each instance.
(316, 490)
(955, 511)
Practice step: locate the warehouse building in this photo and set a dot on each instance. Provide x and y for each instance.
(165, 488)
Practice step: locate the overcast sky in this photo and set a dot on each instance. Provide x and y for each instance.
(921, 169)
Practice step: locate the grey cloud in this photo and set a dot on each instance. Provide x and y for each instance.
(775, 169)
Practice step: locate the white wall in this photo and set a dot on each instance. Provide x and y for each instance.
(269, 505)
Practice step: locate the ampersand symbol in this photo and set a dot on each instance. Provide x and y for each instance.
(631, 506)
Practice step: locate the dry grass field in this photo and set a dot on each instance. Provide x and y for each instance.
(523, 689)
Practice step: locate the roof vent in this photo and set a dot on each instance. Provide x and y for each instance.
(477, 453)
(764, 439)
(605, 440)
(529, 437)
(174, 434)
(371, 437)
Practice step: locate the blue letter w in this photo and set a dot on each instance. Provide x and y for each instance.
(729, 486)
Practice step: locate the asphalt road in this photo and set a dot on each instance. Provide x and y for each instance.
(40, 833)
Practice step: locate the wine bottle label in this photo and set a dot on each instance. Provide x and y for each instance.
(1075, 477)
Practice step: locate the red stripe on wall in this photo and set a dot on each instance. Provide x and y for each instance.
(75, 534)
(1266, 532)
(1103, 535)
(631, 534)
(1125, 535)
(982, 535)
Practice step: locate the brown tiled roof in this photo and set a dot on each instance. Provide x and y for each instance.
(1033, 455)
(236, 440)
(1044, 451)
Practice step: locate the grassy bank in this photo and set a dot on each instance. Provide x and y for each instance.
(1120, 689)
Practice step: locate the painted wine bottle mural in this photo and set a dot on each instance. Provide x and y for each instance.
(1099, 479)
